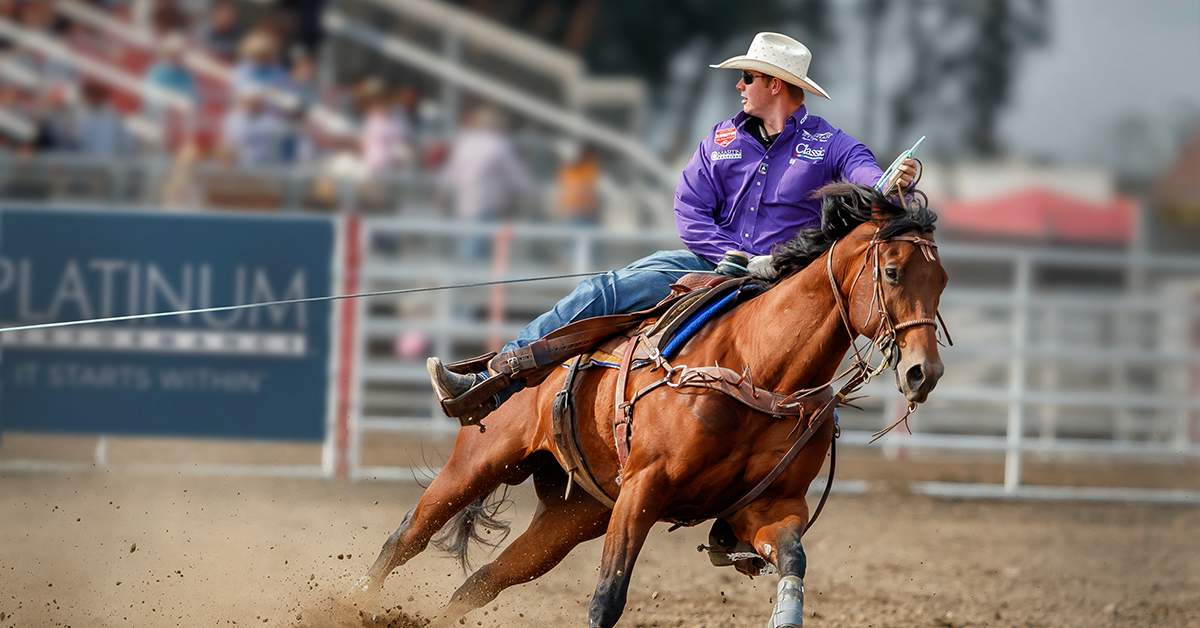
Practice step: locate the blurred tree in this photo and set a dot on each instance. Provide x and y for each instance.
(639, 36)
(963, 59)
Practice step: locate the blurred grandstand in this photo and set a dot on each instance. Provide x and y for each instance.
(1075, 292)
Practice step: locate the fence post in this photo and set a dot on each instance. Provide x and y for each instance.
(1022, 286)
(347, 348)
(500, 255)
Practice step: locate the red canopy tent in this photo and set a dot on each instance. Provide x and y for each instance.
(1040, 215)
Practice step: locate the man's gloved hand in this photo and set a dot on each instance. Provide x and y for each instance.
(760, 267)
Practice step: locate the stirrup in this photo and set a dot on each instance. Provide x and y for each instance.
(473, 405)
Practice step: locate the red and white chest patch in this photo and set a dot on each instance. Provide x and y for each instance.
(725, 136)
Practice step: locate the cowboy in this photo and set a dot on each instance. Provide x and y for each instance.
(748, 187)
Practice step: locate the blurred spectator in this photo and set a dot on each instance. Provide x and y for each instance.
(20, 128)
(253, 134)
(406, 101)
(9, 10)
(181, 187)
(384, 135)
(483, 176)
(167, 18)
(53, 119)
(41, 17)
(304, 20)
(223, 33)
(578, 177)
(303, 78)
(259, 65)
(95, 126)
(170, 72)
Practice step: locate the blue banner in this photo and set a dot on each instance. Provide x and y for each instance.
(257, 373)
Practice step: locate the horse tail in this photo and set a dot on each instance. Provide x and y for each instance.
(476, 523)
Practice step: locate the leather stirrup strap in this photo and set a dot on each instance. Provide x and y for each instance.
(623, 421)
(566, 439)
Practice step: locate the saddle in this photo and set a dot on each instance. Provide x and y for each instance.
(535, 362)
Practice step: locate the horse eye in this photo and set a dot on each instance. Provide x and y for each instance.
(891, 273)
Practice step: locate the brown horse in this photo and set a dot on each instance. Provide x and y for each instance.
(693, 455)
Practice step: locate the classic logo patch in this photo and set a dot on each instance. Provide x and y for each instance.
(718, 155)
(812, 154)
(725, 136)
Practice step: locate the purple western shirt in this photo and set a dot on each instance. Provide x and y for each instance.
(736, 195)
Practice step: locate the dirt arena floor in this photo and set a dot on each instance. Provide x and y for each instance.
(118, 548)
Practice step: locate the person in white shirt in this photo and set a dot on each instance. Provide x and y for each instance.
(483, 176)
(253, 134)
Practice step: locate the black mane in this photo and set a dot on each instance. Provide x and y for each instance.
(845, 206)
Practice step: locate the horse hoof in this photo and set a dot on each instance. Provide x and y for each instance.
(361, 592)
(789, 604)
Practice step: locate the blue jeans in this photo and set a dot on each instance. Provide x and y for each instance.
(616, 292)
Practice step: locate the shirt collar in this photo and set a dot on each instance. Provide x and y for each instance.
(800, 118)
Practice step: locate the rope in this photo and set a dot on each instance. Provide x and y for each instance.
(225, 308)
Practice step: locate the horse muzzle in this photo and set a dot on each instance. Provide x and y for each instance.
(917, 378)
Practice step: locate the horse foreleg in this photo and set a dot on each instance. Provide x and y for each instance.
(555, 530)
(634, 515)
(776, 536)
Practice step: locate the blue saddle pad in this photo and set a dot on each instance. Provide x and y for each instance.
(697, 321)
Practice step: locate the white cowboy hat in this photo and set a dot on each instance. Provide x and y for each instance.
(780, 56)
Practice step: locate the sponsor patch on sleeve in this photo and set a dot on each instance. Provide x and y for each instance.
(725, 136)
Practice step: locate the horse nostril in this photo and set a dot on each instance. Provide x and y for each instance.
(915, 376)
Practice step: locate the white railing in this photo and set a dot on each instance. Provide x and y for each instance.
(53, 48)
(543, 111)
(67, 177)
(523, 50)
(1109, 372)
(199, 62)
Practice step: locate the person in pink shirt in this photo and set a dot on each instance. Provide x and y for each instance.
(384, 135)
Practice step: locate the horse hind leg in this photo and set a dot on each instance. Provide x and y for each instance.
(479, 464)
(557, 527)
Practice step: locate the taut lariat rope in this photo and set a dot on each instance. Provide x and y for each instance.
(225, 308)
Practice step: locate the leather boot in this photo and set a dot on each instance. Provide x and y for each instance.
(449, 386)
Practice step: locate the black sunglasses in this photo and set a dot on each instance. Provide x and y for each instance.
(748, 78)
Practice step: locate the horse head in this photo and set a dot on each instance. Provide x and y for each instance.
(907, 283)
(896, 292)
(887, 278)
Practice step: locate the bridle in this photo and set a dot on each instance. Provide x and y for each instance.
(886, 330)
(885, 335)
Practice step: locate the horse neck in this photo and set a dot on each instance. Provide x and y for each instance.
(793, 336)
